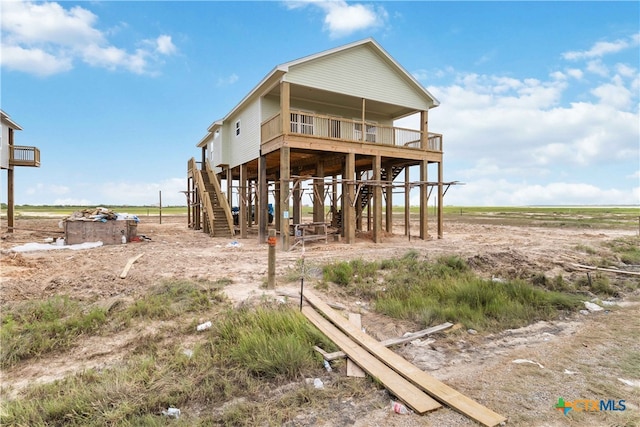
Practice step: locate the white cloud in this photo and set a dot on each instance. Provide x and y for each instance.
(45, 39)
(614, 94)
(486, 192)
(227, 81)
(165, 46)
(600, 49)
(342, 18)
(35, 61)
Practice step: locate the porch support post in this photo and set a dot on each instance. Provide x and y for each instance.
(318, 193)
(242, 201)
(276, 205)
(407, 201)
(359, 208)
(349, 193)
(229, 185)
(377, 200)
(440, 200)
(285, 173)
(424, 128)
(263, 191)
(389, 206)
(297, 198)
(285, 107)
(424, 200)
(10, 199)
(334, 201)
(364, 118)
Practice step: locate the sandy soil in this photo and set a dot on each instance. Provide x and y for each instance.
(480, 366)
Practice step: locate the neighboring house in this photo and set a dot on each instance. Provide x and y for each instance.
(12, 155)
(328, 120)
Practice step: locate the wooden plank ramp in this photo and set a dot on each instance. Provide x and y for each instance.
(411, 395)
(391, 341)
(437, 389)
(353, 370)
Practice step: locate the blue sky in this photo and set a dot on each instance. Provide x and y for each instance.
(539, 100)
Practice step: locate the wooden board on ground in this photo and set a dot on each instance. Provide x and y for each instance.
(391, 341)
(437, 389)
(411, 395)
(128, 266)
(354, 370)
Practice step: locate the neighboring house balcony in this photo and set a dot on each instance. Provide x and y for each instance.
(20, 155)
(319, 129)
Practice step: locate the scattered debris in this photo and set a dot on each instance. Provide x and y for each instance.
(172, 412)
(472, 331)
(203, 326)
(234, 244)
(129, 264)
(99, 214)
(399, 408)
(631, 383)
(188, 352)
(568, 372)
(317, 383)
(327, 366)
(527, 361)
(31, 247)
(592, 307)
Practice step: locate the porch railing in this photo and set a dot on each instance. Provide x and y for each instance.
(20, 155)
(336, 128)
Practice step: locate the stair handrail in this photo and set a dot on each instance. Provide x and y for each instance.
(204, 194)
(222, 201)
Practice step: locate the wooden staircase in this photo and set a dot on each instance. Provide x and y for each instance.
(365, 191)
(218, 221)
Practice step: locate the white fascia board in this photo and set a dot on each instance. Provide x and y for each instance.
(7, 120)
(276, 73)
(205, 140)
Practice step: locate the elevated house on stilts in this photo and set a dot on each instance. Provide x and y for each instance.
(325, 125)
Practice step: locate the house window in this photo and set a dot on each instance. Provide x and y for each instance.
(371, 134)
(301, 123)
(238, 128)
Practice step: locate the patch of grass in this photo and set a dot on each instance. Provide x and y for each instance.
(174, 298)
(586, 249)
(597, 283)
(245, 355)
(34, 328)
(448, 291)
(628, 249)
(269, 342)
(359, 278)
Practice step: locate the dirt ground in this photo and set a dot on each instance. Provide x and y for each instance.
(577, 357)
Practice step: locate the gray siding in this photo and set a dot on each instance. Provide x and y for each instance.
(362, 73)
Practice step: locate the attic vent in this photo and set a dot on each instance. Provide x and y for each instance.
(238, 128)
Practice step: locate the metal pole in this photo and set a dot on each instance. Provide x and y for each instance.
(160, 204)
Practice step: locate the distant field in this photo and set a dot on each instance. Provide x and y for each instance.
(34, 211)
(548, 216)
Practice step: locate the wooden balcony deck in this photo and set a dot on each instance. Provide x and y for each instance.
(20, 155)
(340, 129)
